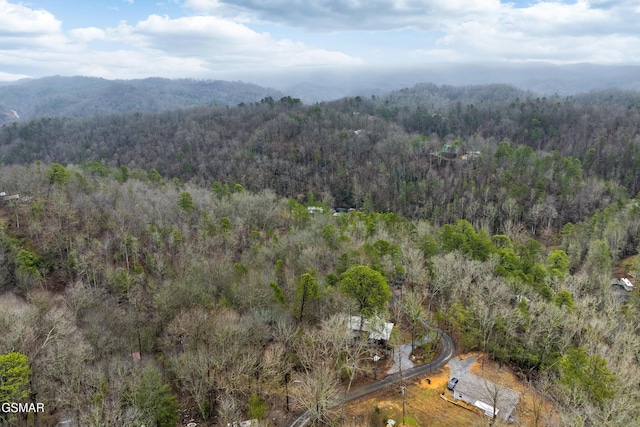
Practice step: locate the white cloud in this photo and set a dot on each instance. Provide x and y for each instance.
(222, 43)
(220, 36)
(353, 15)
(193, 46)
(546, 31)
(131, 64)
(8, 77)
(16, 19)
(88, 34)
(552, 30)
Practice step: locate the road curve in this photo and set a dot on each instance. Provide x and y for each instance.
(447, 351)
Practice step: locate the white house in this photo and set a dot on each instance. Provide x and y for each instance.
(626, 284)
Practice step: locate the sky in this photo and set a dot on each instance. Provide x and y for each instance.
(228, 39)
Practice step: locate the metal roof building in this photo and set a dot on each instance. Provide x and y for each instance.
(485, 394)
(379, 331)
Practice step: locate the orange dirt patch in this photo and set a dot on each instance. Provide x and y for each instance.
(437, 380)
(497, 373)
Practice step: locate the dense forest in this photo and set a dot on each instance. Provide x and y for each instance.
(544, 161)
(162, 267)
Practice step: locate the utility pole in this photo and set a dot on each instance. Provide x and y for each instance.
(286, 388)
(402, 389)
(404, 405)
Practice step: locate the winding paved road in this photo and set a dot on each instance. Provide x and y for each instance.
(447, 351)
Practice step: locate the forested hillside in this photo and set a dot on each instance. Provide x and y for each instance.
(541, 162)
(86, 96)
(231, 297)
(159, 268)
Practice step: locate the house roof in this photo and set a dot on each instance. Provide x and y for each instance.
(376, 330)
(450, 148)
(484, 391)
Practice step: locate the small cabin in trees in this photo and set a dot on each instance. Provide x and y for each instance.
(341, 211)
(246, 423)
(370, 329)
(450, 151)
(315, 210)
(5, 198)
(624, 282)
(470, 155)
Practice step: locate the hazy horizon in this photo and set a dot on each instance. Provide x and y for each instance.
(331, 83)
(260, 41)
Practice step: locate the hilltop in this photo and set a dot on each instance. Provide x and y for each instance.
(86, 96)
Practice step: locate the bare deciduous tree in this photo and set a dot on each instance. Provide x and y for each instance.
(317, 393)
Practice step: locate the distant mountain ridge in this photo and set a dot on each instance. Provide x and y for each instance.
(78, 96)
(85, 96)
(541, 78)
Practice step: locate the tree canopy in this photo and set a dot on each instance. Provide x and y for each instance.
(588, 376)
(15, 373)
(58, 174)
(367, 286)
(306, 291)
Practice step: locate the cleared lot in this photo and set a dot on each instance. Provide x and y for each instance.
(429, 403)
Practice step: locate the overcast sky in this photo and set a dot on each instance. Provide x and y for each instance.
(214, 39)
